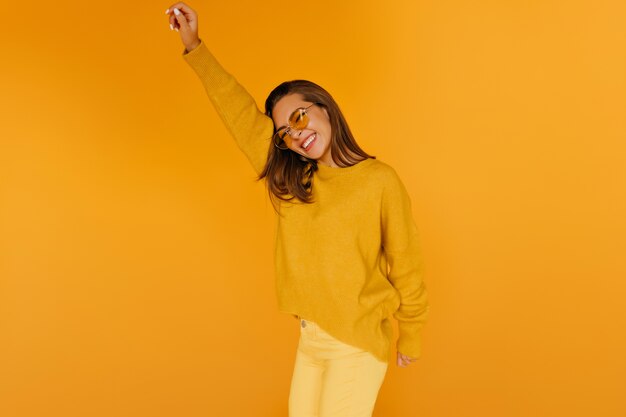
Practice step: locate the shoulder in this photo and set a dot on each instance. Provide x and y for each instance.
(383, 173)
(391, 187)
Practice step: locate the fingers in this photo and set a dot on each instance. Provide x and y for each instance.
(187, 12)
(184, 18)
(405, 360)
(181, 19)
(173, 23)
(180, 6)
(172, 18)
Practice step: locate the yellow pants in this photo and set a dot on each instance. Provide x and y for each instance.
(331, 378)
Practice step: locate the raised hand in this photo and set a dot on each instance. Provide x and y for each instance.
(184, 20)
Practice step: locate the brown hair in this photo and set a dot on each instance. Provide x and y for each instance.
(288, 174)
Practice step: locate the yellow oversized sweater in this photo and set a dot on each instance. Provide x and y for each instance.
(352, 257)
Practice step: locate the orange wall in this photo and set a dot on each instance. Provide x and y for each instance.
(136, 272)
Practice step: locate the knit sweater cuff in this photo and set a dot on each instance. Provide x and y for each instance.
(409, 340)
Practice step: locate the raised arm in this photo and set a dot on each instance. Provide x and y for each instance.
(251, 128)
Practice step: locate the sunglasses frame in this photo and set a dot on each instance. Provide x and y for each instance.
(303, 111)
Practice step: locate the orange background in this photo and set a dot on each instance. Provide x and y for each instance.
(136, 271)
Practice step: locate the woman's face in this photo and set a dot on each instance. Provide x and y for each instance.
(318, 128)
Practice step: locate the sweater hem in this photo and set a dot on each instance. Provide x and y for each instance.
(380, 355)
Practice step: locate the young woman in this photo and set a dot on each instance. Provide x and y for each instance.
(347, 253)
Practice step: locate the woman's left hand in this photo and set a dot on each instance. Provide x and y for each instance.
(404, 360)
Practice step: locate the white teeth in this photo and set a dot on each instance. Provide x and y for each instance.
(308, 141)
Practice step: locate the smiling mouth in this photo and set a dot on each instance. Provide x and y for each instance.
(309, 141)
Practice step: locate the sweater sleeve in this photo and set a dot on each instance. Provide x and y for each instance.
(251, 128)
(401, 245)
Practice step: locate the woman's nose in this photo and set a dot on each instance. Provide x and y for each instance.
(295, 133)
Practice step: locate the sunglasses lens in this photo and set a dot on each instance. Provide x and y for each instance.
(279, 139)
(299, 119)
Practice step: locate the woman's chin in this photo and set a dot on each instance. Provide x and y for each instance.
(315, 153)
(312, 155)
